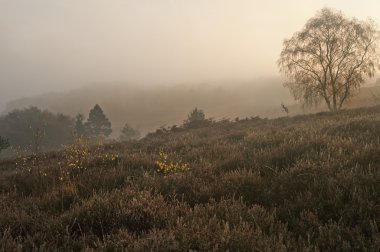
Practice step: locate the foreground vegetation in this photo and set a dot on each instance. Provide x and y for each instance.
(307, 183)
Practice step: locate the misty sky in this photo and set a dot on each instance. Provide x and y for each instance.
(54, 45)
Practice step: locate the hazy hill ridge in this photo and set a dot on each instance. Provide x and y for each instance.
(149, 108)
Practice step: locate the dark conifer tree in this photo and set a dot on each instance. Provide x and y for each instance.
(196, 115)
(97, 123)
(196, 119)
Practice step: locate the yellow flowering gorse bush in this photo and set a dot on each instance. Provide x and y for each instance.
(166, 165)
(79, 155)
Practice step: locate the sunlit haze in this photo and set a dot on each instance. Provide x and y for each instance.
(50, 46)
(189, 125)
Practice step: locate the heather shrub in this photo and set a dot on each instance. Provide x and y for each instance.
(105, 213)
(305, 183)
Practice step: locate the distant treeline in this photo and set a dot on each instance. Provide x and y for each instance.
(32, 130)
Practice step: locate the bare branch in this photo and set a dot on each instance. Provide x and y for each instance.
(330, 57)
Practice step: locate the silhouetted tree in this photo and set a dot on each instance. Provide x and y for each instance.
(36, 130)
(79, 126)
(4, 143)
(97, 123)
(330, 58)
(128, 133)
(196, 118)
(196, 115)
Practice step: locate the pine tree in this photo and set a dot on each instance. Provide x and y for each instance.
(97, 123)
(196, 115)
(196, 119)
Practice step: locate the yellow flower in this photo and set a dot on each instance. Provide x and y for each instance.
(168, 166)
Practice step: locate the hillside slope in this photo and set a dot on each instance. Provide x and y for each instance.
(306, 183)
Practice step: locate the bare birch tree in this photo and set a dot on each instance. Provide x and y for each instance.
(330, 58)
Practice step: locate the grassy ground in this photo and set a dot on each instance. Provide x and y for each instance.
(306, 183)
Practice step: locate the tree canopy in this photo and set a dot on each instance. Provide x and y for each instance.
(330, 58)
(196, 115)
(97, 123)
(196, 118)
(34, 130)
